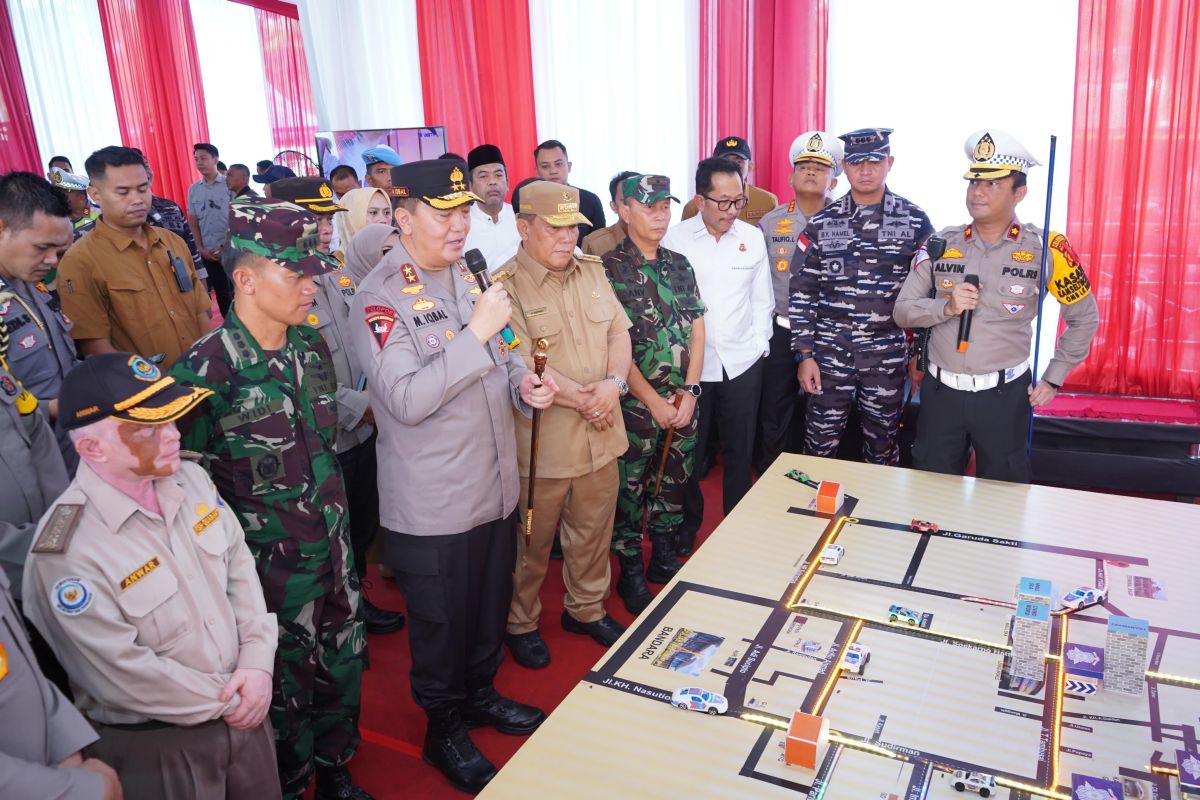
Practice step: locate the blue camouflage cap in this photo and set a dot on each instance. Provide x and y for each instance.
(381, 153)
(867, 144)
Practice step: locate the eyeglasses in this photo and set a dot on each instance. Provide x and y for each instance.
(725, 205)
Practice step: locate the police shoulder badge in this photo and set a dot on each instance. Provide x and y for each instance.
(71, 596)
(380, 319)
(1068, 282)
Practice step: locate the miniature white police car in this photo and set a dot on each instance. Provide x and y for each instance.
(855, 658)
(978, 782)
(699, 700)
(832, 554)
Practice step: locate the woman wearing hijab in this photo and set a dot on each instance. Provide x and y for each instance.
(363, 207)
(368, 248)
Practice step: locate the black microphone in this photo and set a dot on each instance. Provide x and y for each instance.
(478, 266)
(964, 323)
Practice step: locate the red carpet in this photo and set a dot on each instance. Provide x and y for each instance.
(389, 760)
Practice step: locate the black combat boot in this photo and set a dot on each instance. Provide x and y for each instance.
(663, 564)
(448, 747)
(333, 783)
(631, 584)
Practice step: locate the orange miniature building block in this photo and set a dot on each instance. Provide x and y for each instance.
(805, 736)
(830, 497)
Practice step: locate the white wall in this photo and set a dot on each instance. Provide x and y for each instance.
(364, 63)
(617, 82)
(235, 88)
(930, 70)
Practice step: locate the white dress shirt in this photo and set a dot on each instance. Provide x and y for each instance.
(734, 279)
(497, 240)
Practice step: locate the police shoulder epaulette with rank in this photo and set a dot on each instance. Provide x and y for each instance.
(591, 258)
(59, 528)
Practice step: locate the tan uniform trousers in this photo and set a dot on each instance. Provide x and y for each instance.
(170, 762)
(586, 505)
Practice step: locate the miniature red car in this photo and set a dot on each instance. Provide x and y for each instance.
(921, 526)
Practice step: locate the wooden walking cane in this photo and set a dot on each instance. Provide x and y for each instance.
(539, 369)
(662, 462)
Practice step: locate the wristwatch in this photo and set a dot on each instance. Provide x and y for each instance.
(622, 386)
(804, 355)
(692, 388)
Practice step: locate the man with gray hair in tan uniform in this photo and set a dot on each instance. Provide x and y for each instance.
(140, 580)
(568, 301)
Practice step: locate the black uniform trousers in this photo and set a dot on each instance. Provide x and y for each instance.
(732, 405)
(458, 589)
(359, 466)
(220, 283)
(777, 409)
(995, 422)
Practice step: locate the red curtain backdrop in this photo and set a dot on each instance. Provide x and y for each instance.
(477, 70)
(724, 72)
(156, 83)
(1133, 213)
(789, 84)
(762, 76)
(18, 142)
(289, 95)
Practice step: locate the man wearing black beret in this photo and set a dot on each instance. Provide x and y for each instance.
(493, 223)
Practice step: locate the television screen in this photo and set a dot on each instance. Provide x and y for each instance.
(346, 147)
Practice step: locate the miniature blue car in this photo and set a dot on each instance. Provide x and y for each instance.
(699, 700)
(901, 614)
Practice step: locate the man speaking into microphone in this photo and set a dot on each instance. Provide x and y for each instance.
(443, 386)
(979, 392)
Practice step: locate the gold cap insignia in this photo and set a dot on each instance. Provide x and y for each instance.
(731, 142)
(814, 143)
(325, 191)
(566, 197)
(456, 177)
(985, 148)
(56, 177)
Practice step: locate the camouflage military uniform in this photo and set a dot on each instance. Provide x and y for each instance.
(842, 295)
(268, 437)
(661, 300)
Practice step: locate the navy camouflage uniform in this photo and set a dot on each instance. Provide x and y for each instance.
(842, 294)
